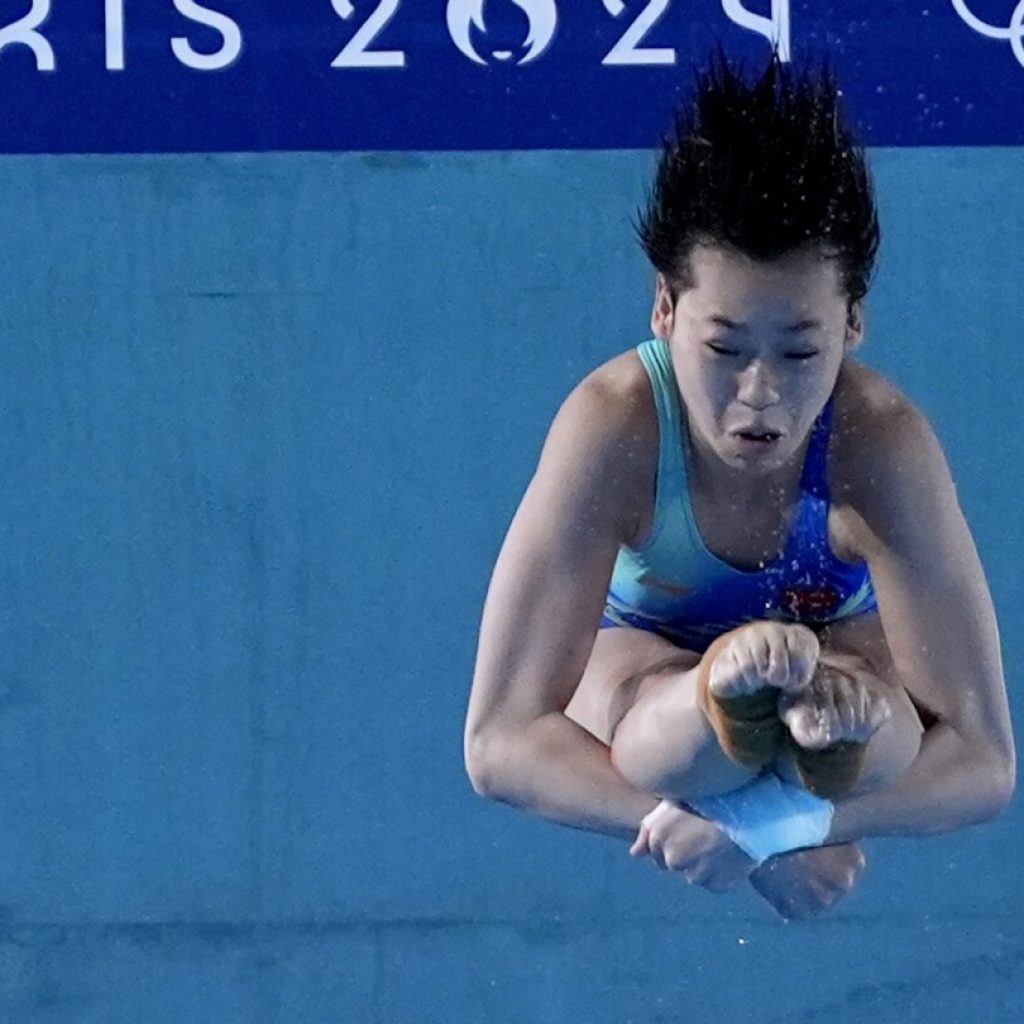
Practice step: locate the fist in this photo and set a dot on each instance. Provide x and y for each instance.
(808, 882)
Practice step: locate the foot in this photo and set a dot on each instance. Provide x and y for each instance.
(741, 678)
(830, 723)
(763, 656)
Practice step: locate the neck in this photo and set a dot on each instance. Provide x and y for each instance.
(719, 482)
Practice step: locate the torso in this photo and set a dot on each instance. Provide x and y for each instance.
(749, 534)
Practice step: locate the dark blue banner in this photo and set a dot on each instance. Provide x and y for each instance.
(223, 75)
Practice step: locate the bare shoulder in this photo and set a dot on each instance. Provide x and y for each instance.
(621, 392)
(884, 458)
(611, 414)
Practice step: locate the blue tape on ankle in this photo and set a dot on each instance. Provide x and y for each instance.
(768, 816)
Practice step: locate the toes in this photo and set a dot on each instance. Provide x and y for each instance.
(726, 677)
(779, 669)
(761, 655)
(850, 706)
(803, 651)
(833, 709)
(808, 725)
(880, 713)
(859, 713)
(783, 656)
(734, 673)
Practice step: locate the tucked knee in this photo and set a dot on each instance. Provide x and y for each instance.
(629, 691)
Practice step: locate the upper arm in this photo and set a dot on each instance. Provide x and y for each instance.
(550, 581)
(933, 598)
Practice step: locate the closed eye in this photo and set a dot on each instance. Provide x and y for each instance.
(722, 350)
(802, 356)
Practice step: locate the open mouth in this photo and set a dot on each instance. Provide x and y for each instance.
(758, 436)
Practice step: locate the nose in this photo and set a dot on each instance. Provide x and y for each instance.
(758, 387)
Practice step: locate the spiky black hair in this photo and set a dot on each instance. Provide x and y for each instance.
(766, 167)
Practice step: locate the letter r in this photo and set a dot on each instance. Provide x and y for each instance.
(23, 32)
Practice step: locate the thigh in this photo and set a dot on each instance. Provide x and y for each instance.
(621, 660)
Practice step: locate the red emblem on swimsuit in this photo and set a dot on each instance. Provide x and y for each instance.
(810, 605)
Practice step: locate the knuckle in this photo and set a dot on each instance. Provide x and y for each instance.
(674, 862)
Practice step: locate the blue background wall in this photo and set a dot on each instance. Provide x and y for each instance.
(263, 422)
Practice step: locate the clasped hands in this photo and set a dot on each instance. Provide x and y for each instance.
(796, 885)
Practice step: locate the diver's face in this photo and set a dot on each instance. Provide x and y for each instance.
(756, 349)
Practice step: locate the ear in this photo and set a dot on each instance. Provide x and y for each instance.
(854, 326)
(663, 313)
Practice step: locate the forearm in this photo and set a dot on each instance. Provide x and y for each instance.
(947, 787)
(556, 769)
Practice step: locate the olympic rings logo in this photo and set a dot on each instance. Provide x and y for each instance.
(1014, 33)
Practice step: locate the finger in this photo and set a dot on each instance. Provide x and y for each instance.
(655, 849)
(642, 844)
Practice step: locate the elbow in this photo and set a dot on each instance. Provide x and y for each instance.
(1005, 784)
(1000, 784)
(479, 759)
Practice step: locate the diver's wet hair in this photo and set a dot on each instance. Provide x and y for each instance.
(766, 167)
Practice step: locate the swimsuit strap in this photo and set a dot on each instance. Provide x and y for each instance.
(815, 475)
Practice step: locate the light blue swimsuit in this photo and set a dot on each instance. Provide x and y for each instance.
(673, 585)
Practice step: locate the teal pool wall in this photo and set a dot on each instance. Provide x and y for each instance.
(264, 420)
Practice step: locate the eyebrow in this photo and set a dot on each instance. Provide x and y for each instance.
(797, 328)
